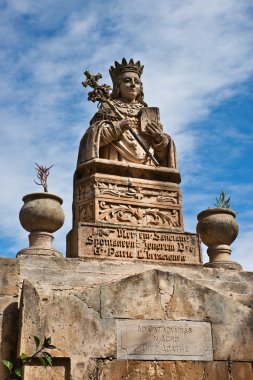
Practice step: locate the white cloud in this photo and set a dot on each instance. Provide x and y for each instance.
(242, 247)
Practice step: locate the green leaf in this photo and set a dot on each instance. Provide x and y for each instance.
(222, 202)
(43, 362)
(8, 364)
(37, 341)
(23, 356)
(47, 342)
(48, 358)
(51, 347)
(18, 372)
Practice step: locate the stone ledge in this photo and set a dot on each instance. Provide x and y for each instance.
(99, 165)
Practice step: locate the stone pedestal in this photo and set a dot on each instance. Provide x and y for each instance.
(41, 215)
(133, 195)
(129, 211)
(218, 229)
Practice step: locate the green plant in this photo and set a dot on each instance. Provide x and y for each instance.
(222, 202)
(16, 367)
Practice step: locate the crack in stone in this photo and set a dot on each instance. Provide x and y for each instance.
(159, 295)
(100, 302)
(85, 302)
(164, 293)
(204, 373)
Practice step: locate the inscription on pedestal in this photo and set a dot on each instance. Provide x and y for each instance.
(164, 340)
(138, 243)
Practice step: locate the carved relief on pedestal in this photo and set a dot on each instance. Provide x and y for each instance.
(118, 191)
(170, 198)
(130, 191)
(84, 191)
(120, 213)
(128, 201)
(86, 212)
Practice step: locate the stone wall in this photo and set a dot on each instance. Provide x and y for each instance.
(174, 370)
(79, 301)
(9, 298)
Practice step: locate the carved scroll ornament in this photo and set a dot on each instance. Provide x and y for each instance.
(135, 215)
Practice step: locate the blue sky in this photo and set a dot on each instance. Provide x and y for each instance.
(198, 59)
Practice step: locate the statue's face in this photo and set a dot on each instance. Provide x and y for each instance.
(130, 86)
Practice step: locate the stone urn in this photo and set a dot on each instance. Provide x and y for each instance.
(41, 215)
(218, 229)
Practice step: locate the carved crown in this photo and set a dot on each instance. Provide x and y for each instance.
(125, 66)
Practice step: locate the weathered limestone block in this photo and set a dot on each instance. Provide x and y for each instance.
(9, 277)
(180, 370)
(39, 373)
(30, 319)
(133, 297)
(77, 328)
(173, 370)
(77, 303)
(8, 330)
(138, 370)
(242, 371)
(73, 325)
(9, 291)
(216, 370)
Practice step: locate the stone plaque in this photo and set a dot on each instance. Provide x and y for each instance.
(164, 340)
(117, 242)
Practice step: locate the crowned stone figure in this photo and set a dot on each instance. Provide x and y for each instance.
(108, 135)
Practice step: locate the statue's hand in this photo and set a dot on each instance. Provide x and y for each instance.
(155, 132)
(124, 124)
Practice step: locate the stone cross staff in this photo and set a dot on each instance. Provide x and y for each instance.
(101, 94)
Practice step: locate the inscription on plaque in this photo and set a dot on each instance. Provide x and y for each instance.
(164, 340)
(137, 243)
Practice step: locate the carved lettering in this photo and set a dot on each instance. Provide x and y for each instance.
(172, 340)
(125, 234)
(89, 240)
(160, 246)
(140, 254)
(145, 235)
(120, 253)
(135, 243)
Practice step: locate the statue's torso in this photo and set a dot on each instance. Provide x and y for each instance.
(125, 149)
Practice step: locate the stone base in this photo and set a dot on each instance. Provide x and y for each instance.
(173, 370)
(90, 308)
(39, 252)
(95, 309)
(135, 195)
(232, 265)
(40, 239)
(98, 240)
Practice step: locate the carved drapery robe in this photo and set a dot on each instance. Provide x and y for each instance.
(104, 139)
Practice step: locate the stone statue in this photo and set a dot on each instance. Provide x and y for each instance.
(125, 129)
